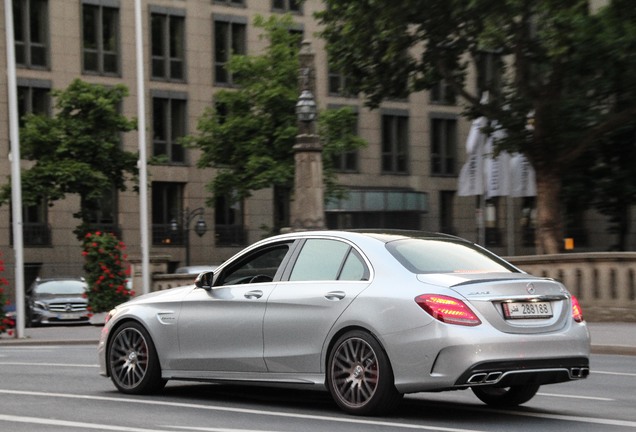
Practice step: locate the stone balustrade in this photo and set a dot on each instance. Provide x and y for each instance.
(604, 282)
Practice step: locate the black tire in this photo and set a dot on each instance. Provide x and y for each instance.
(505, 397)
(359, 376)
(133, 364)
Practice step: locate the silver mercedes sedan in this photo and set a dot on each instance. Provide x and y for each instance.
(368, 316)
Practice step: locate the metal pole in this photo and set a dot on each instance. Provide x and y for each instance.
(187, 218)
(16, 178)
(141, 163)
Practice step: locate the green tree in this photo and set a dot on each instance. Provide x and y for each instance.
(78, 150)
(249, 133)
(560, 67)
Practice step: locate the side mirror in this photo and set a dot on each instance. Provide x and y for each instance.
(204, 280)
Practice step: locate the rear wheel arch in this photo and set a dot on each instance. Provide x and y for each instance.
(359, 374)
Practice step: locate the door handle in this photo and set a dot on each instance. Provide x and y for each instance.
(256, 294)
(335, 295)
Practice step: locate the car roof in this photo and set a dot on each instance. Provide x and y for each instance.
(59, 279)
(384, 235)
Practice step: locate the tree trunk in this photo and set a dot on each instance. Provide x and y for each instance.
(549, 225)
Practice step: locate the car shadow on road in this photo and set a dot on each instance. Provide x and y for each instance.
(412, 409)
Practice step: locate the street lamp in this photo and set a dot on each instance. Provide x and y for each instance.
(307, 209)
(186, 218)
(306, 107)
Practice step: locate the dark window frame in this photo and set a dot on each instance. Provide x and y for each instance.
(170, 21)
(285, 6)
(395, 142)
(173, 150)
(231, 26)
(31, 21)
(102, 9)
(444, 142)
(349, 161)
(167, 206)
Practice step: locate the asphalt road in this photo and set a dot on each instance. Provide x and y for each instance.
(57, 388)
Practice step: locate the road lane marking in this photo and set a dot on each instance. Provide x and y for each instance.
(72, 424)
(579, 419)
(614, 373)
(352, 420)
(49, 364)
(576, 397)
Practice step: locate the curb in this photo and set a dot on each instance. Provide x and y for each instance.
(31, 342)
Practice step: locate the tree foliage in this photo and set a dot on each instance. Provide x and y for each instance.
(78, 150)
(249, 133)
(563, 66)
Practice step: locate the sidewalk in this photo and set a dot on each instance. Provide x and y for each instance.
(607, 337)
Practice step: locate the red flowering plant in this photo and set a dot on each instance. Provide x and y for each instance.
(6, 323)
(106, 271)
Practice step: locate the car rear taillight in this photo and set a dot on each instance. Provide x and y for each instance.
(448, 309)
(577, 312)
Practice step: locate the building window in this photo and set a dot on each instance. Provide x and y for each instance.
(228, 222)
(347, 161)
(442, 94)
(36, 230)
(493, 233)
(100, 38)
(169, 125)
(167, 206)
(287, 6)
(395, 131)
(231, 2)
(443, 146)
(101, 214)
(489, 70)
(31, 30)
(168, 44)
(446, 213)
(229, 39)
(338, 84)
(34, 97)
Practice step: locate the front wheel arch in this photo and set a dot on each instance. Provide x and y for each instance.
(149, 379)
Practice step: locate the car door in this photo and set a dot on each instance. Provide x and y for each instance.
(325, 277)
(221, 329)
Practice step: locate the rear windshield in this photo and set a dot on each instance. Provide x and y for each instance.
(443, 256)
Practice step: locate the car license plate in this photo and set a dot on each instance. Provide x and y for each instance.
(68, 316)
(525, 310)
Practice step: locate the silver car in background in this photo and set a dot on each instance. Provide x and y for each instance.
(368, 316)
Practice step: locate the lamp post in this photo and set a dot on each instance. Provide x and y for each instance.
(200, 227)
(307, 211)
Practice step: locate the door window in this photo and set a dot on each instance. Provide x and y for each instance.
(322, 259)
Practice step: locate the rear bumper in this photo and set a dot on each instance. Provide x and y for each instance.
(519, 372)
(442, 357)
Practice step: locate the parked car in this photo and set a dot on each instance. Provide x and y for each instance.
(368, 316)
(195, 270)
(57, 301)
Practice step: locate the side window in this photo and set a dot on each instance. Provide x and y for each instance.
(322, 259)
(354, 268)
(260, 266)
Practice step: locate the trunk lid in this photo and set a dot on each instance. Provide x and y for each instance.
(510, 302)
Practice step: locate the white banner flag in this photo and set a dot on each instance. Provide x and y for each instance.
(524, 182)
(471, 178)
